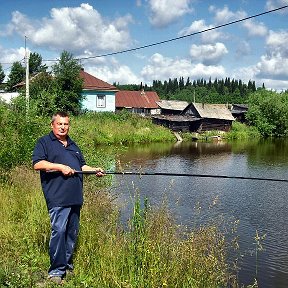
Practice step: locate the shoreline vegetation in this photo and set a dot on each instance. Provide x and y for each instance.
(152, 251)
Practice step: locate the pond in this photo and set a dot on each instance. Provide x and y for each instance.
(254, 206)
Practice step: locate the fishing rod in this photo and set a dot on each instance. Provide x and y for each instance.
(182, 175)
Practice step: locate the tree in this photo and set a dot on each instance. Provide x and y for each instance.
(35, 64)
(16, 75)
(68, 83)
(2, 74)
(268, 112)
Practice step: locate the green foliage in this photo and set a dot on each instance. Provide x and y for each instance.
(268, 112)
(217, 91)
(35, 64)
(151, 252)
(121, 128)
(68, 83)
(16, 75)
(242, 131)
(19, 132)
(2, 74)
(17, 137)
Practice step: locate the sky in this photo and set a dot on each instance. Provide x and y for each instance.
(109, 38)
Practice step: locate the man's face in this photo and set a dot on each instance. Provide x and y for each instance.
(60, 127)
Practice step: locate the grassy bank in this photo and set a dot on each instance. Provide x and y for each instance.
(152, 252)
(239, 131)
(18, 134)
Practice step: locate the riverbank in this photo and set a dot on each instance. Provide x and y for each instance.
(151, 252)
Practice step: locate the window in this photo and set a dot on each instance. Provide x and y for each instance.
(101, 101)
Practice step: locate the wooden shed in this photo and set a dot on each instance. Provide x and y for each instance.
(212, 117)
(238, 111)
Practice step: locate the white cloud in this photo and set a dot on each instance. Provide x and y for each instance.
(78, 28)
(208, 54)
(111, 71)
(162, 68)
(11, 55)
(277, 41)
(165, 12)
(198, 26)
(273, 4)
(274, 64)
(225, 15)
(250, 73)
(243, 49)
(272, 68)
(255, 29)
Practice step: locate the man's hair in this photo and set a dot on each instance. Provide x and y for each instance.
(59, 113)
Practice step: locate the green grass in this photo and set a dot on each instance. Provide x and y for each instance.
(152, 251)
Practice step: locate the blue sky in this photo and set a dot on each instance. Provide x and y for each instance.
(255, 49)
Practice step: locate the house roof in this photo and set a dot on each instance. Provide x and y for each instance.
(31, 79)
(172, 104)
(136, 99)
(215, 111)
(93, 83)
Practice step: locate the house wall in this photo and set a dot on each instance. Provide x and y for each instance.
(89, 101)
(209, 124)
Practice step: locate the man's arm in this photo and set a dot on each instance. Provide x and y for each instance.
(47, 166)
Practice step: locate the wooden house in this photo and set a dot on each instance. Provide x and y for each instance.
(238, 111)
(140, 102)
(182, 123)
(198, 117)
(210, 117)
(99, 96)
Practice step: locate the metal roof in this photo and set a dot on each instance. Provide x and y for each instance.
(136, 99)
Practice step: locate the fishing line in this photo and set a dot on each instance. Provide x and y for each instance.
(183, 175)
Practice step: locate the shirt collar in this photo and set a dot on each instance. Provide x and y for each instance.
(53, 138)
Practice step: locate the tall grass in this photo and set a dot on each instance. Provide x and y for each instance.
(152, 251)
(242, 131)
(18, 134)
(122, 128)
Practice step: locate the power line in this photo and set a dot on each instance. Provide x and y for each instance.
(174, 39)
(181, 37)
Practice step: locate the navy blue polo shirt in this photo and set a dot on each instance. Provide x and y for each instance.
(60, 190)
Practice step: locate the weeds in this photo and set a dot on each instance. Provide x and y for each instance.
(152, 251)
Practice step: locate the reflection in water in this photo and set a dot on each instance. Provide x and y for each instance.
(258, 205)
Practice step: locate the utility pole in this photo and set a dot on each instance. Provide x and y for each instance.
(27, 56)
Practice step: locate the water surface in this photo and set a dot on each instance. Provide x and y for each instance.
(257, 206)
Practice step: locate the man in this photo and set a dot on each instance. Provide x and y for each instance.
(57, 157)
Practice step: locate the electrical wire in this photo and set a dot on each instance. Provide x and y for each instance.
(173, 39)
(180, 37)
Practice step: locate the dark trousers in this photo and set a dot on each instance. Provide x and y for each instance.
(64, 233)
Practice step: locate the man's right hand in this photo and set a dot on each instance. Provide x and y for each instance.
(67, 171)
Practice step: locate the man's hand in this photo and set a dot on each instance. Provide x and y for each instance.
(67, 171)
(99, 172)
